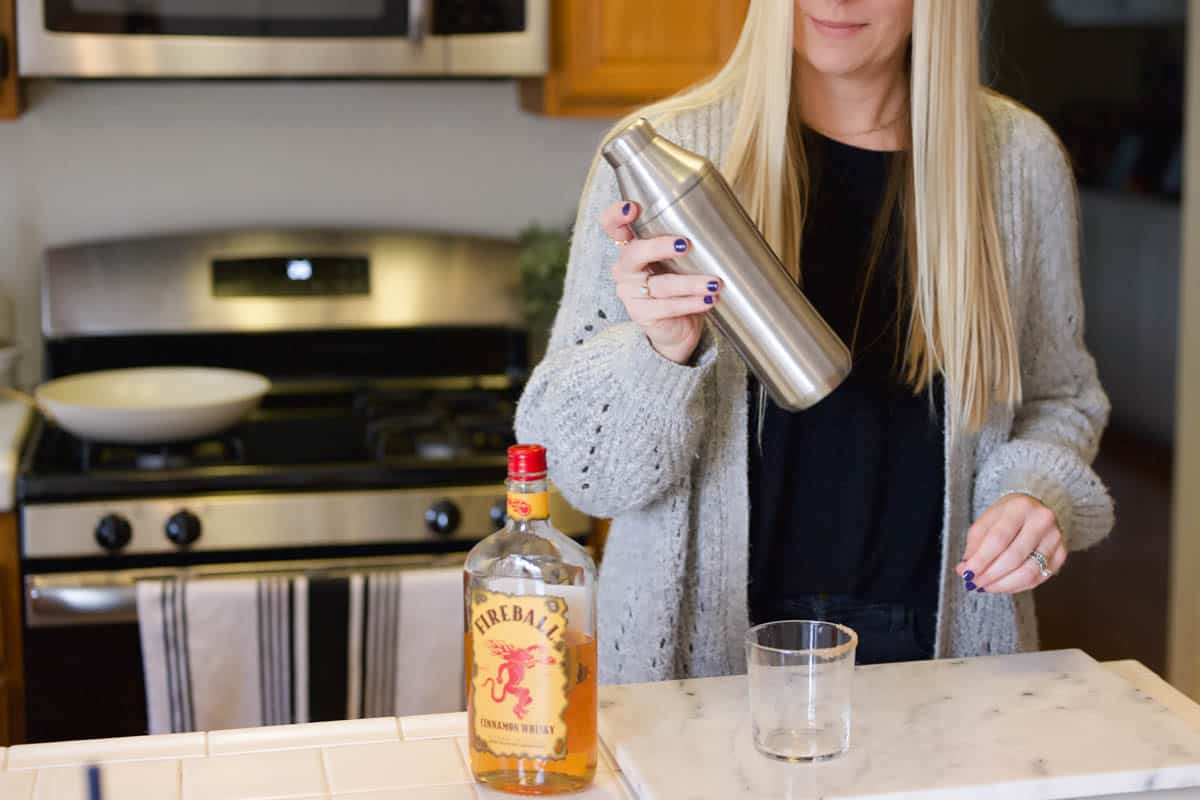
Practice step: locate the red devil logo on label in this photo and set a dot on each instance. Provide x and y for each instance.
(521, 507)
(517, 661)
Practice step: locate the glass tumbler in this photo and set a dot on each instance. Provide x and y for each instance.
(800, 674)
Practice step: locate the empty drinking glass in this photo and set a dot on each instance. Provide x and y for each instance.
(800, 675)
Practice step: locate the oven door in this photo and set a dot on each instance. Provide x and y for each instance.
(282, 38)
(83, 659)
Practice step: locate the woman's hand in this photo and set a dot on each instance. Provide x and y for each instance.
(672, 315)
(1000, 542)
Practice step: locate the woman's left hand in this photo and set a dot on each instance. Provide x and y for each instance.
(1001, 540)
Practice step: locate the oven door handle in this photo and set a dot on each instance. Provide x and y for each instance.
(104, 598)
(418, 20)
(54, 605)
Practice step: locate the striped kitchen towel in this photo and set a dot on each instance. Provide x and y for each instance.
(242, 652)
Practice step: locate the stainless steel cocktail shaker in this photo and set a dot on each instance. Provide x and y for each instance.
(762, 312)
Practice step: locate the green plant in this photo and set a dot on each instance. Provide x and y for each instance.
(543, 261)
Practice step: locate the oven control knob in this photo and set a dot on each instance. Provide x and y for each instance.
(113, 532)
(499, 513)
(443, 518)
(183, 528)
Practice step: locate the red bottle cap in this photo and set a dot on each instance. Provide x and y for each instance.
(527, 462)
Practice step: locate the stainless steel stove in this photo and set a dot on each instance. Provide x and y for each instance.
(421, 465)
(396, 362)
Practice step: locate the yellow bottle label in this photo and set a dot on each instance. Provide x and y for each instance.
(529, 506)
(519, 675)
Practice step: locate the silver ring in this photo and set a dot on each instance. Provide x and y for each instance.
(620, 242)
(1042, 564)
(645, 290)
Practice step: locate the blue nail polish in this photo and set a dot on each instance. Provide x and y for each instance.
(713, 286)
(970, 586)
(708, 299)
(680, 245)
(968, 576)
(625, 209)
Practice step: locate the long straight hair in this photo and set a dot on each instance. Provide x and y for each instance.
(959, 321)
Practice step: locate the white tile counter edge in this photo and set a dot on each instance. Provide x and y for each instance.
(15, 418)
(24, 760)
(206, 761)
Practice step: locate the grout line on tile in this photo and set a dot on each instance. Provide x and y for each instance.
(626, 786)
(602, 753)
(463, 758)
(179, 777)
(325, 772)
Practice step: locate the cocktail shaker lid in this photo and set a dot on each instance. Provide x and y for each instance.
(652, 170)
(630, 141)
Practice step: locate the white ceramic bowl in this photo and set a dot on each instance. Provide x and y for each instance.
(151, 404)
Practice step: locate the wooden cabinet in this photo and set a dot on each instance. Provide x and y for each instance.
(609, 57)
(10, 87)
(12, 680)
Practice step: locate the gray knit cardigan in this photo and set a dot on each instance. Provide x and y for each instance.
(662, 448)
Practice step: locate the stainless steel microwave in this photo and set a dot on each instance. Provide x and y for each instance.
(282, 38)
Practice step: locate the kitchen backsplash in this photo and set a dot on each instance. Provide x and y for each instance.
(108, 159)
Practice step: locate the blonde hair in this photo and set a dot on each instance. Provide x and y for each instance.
(960, 323)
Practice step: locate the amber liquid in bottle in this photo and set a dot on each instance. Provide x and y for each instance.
(579, 767)
(530, 647)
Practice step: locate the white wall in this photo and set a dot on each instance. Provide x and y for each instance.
(109, 159)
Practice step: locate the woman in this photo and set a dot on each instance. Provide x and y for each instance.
(933, 224)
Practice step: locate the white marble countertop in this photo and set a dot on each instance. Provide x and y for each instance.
(424, 758)
(1039, 725)
(15, 418)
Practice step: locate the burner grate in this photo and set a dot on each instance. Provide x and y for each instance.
(403, 434)
(217, 451)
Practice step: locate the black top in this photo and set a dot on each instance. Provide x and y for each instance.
(846, 497)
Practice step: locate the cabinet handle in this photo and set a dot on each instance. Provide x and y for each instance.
(3, 57)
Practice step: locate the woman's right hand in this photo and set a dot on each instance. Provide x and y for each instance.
(673, 314)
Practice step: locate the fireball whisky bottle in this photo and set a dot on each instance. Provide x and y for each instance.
(529, 613)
